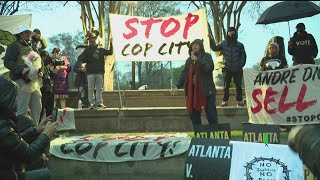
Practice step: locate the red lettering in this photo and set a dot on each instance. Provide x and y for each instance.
(259, 104)
(189, 22)
(134, 31)
(283, 107)
(166, 23)
(149, 24)
(304, 105)
(136, 138)
(268, 99)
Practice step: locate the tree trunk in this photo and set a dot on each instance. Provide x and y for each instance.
(139, 73)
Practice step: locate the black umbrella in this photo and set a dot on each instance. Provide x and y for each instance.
(287, 11)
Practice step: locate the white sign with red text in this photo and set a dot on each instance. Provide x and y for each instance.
(120, 148)
(157, 39)
(66, 119)
(286, 96)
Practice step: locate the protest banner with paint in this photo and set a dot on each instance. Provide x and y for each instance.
(66, 119)
(258, 161)
(219, 131)
(8, 27)
(287, 96)
(157, 39)
(208, 159)
(257, 133)
(120, 148)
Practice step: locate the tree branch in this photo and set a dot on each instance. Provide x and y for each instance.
(3, 6)
(94, 8)
(15, 9)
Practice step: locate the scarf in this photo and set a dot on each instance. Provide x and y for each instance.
(195, 100)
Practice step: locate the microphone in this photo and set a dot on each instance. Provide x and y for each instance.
(193, 58)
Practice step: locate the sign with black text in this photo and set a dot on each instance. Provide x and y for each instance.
(208, 159)
(120, 148)
(286, 96)
(261, 133)
(219, 131)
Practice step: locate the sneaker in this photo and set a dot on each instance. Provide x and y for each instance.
(224, 103)
(240, 104)
(101, 106)
(91, 106)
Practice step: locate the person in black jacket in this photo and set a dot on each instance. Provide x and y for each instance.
(234, 56)
(80, 80)
(19, 146)
(197, 80)
(38, 41)
(47, 98)
(94, 57)
(305, 140)
(302, 46)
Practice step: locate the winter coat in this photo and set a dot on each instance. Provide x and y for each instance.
(206, 67)
(16, 148)
(304, 48)
(233, 53)
(95, 58)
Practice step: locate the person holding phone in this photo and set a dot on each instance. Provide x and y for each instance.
(197, 80)
(18, 147)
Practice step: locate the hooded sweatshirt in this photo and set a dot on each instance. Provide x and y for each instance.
(304, 48)
(234, 54)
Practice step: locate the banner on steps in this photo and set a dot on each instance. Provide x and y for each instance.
(120, 148)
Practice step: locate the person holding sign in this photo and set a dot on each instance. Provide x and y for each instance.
(197, 80)
(234, 56)
(302, 46)
(94, 57)
(273, 60)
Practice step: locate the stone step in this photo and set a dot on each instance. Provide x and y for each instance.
(149, 98)
(151, 119)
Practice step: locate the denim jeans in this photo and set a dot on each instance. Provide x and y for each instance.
(95, 81)
(211, 111)
(237, 78)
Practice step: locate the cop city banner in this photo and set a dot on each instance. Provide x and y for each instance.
(288, 96)
(157, 39)
(120, 148)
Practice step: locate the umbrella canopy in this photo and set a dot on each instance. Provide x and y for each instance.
(287, 11)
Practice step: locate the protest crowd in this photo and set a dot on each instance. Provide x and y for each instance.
(38, 85)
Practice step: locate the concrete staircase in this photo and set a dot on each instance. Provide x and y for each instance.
(149, 111)
(141, 111)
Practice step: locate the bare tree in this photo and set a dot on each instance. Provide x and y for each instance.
(225, 14)
(11, 7)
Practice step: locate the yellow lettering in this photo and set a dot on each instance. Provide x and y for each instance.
(216, 135)
(226, 135)
(203, 135)
(260, 138)
(245, 137)
(275, 138)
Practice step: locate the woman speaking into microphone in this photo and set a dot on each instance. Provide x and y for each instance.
(197, 80)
